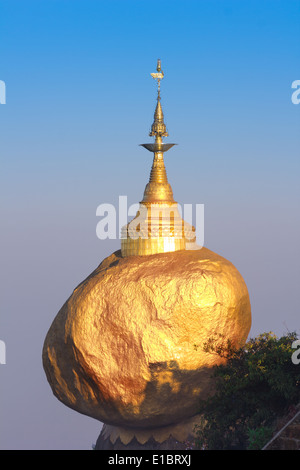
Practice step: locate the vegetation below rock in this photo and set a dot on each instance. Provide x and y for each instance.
(258, 384)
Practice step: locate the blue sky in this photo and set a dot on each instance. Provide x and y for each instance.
(79, 101)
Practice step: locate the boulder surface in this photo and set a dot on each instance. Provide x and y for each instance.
(127, 346)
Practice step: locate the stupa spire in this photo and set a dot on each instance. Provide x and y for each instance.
(158, 189)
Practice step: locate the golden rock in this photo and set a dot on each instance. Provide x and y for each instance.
(122, 347)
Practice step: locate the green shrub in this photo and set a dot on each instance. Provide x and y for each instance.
(258, 437)
(257, 384)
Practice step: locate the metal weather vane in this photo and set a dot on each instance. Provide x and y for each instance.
(159, 75)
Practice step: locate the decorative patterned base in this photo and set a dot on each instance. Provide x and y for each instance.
(176, 437)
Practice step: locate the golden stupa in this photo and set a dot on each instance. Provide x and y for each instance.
(158, 226)
(122, 347)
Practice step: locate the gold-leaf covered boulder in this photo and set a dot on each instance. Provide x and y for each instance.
(122, 347)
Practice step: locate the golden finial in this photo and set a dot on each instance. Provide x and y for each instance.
(158, 128)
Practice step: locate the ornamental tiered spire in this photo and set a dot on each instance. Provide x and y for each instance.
(158, 226)
(158, 189)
